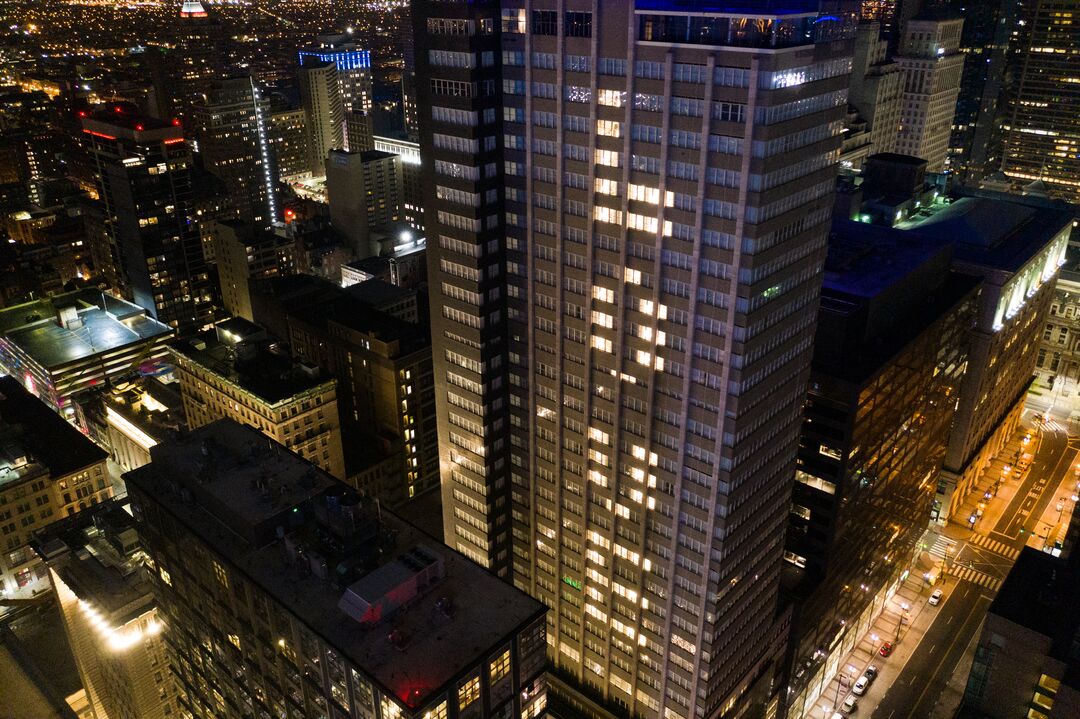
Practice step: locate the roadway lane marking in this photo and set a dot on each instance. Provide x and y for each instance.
(945, 655)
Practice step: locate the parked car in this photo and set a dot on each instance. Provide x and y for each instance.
(886, 649)
(849, 704)
(935, 598)
(860, 686)
(871, 672)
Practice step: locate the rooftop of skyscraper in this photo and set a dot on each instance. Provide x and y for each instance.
(401, 607)
(57, 330)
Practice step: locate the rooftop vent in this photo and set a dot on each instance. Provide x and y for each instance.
(392, 585)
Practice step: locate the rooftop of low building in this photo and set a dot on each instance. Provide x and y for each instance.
(240, 352)
(333, 560)
(30, 432)
(105, 323)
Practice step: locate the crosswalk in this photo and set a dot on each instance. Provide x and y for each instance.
(968, 574)
(994, 546)
(943, 545)
(1052, 425)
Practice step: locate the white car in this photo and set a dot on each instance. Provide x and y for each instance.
(860, 686)
(849, 704)
(935, 598)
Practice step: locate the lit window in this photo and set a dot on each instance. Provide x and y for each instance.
(469, 692)
(609, 128)
(500, 667)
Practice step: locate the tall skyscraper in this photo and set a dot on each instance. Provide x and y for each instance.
(931, 63)
(353, 73)
(630, 362)
(320, 95)
(143, 176)
(1042, 127)
(975, 147)
(232, 133)
(877, 87)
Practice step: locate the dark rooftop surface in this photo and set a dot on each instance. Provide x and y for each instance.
(269, 375)
(243, 488)
(108, 323)
(378, 292)
(353, 313)
(992, 232)
(1042, 593)
(882, 289)
(97, 554)
(46, 435)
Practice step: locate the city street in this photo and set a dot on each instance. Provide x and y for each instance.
(926, 673)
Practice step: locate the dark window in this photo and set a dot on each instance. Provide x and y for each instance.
(578, 24)
(545, 22)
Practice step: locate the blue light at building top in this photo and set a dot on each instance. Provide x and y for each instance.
(344, 59)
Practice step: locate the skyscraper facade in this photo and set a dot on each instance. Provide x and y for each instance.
(975, 146)
(353, 73)
(320, 95)
(668, 177)
(232, 132)
(932, 64)
(1042, 127)
(143, 176)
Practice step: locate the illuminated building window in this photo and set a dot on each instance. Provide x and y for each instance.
(500, 667)
(222, 577)
(469, 692)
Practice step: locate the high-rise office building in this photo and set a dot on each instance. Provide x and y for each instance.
(629, 363)
(285, 594)
(196, 59)
(288, 138)
(876, 88)
(231, 371)
(889, 357)
(975, 146)
(231, 129)
(363, 190)
(931, 64)
(412, 183)
(320, 95)
(353, 75)
(1042, 127)
(143, 176)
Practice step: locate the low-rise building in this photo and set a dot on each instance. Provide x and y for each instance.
(131, 418)
(48, 470)
(110, 616)
(1026, 663)
(286, 594)
(62, 345)
(236, 370)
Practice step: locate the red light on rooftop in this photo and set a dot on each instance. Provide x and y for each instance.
(82, 113)
(139, 128)
(176, 122)
(118, 109)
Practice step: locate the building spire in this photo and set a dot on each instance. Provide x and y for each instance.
(192, 8)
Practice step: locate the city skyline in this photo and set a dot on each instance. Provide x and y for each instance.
(600, 359)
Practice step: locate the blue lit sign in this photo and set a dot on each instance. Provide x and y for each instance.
(344, 59)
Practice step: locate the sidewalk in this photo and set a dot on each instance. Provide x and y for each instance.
(1001, 485)
(908, 604)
